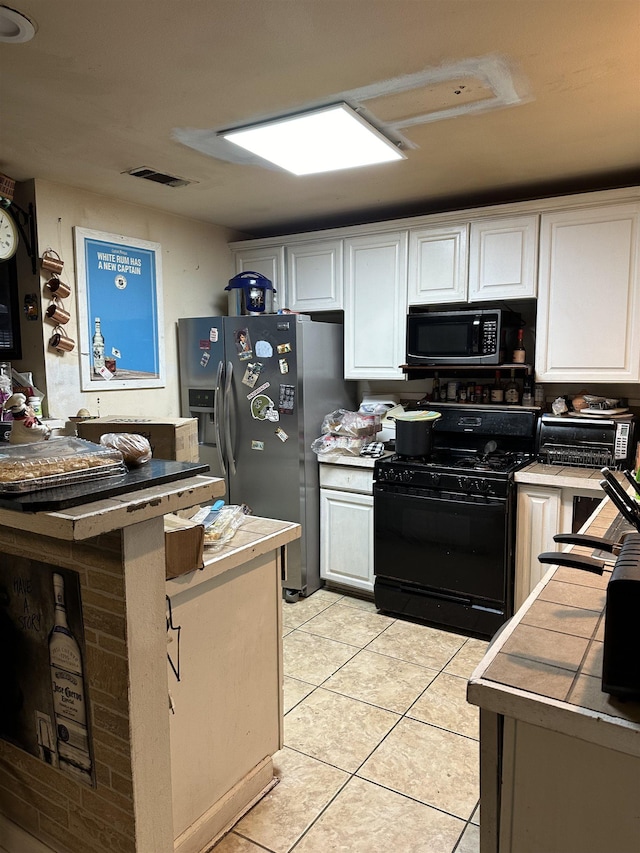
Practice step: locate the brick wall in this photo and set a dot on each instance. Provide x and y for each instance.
(66, 814)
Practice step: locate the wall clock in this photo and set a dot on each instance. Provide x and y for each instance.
(8, 236)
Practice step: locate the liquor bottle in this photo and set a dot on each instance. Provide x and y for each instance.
(497, 391)
(512, 392)
(98, 348)
(435, 389)
(67, 684)
(527, 390)
(519, 353)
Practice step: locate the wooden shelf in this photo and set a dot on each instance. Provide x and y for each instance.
(463, 370)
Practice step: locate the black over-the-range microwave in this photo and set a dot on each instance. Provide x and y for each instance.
(467, 336)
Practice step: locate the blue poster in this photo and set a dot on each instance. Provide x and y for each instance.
(122, 341)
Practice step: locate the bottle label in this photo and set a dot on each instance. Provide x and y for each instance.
(497, 395)
(518, 356)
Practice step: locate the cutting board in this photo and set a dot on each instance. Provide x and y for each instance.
(154, 473)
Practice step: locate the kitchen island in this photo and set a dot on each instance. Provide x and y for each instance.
(560, 759)
(135, 782)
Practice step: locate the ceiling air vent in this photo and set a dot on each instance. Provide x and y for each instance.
(158, 177)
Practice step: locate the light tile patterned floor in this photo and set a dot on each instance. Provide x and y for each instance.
(381, 747)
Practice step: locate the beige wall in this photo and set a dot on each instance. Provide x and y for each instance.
(196, 266)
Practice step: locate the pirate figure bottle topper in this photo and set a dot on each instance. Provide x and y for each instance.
(26, 427)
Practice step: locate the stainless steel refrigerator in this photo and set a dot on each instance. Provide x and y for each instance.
(260, 387)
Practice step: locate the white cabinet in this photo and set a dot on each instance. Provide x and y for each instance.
(538, 520)
(588, 325)
(375, 298)
(437, 265)
(269, 261)
(488, 259)
(502, 258)
(314, 276)
(346, 526)
(542, 512)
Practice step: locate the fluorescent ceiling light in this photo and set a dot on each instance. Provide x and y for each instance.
(319, 141)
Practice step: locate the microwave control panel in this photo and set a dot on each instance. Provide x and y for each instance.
(621, 447)
(489, 337)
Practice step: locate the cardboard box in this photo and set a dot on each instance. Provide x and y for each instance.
(170, 438)
(183, 545)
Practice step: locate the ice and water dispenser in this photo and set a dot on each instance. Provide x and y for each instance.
(201, 407)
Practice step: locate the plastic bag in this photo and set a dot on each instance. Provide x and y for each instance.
(223, 528)
(331, 446)
(352, 424)
(135, 448)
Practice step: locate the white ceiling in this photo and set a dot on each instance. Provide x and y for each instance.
(551, 100)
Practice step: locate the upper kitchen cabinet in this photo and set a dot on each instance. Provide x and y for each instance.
(437, 265)
(375, 298)
(314, 276)
(481, 261)
(588, 326)
(268, 260)
(502, 258)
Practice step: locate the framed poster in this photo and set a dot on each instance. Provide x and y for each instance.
(120, 315)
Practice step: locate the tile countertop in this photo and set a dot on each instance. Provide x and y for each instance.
(255, 537)
(544, 666)
(354, 461)
(562, 476)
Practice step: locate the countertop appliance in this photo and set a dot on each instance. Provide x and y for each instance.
(260, 387)
(462, 337)
(444, 526)
(587, 442)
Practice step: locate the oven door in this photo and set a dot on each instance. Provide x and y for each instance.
(447, 544)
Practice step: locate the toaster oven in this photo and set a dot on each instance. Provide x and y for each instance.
(587, 442)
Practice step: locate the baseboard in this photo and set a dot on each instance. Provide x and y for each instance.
(221, 817)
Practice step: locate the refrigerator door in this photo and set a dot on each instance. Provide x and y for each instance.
(201, 353)
(285, 374)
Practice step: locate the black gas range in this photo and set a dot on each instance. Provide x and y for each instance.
(445, 525)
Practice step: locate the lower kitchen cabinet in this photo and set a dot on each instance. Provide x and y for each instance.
(544, 511)
(346, 526)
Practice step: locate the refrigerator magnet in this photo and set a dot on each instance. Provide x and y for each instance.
(243, 344)
(204, 344)
(283, 365)
(204, 361)
(281, 434)
(286, 399)
(284, 348)
(213, 334)
(264, 349)
(257, 445)
(251, 373)
(260, 406)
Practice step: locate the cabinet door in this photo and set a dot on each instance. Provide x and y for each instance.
(437, 265)
(502, 258)
(346, 538)
(268, 261)
(588, 325)
(538, 522)
(314, 276)
(375, 299)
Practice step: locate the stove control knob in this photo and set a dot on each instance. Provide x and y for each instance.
(406, 476)
(432, 479)
(465, 484)
(484, 486)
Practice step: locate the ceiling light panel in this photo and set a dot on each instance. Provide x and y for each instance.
(322, 140)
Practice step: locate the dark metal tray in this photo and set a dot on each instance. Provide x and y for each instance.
(153, 473)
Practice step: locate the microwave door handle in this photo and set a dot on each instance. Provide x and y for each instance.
(218, 408)
(227, 419)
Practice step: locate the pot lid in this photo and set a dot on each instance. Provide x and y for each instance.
(416, 416)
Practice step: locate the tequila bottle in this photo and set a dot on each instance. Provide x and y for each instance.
(67, 684)
(98, 348)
